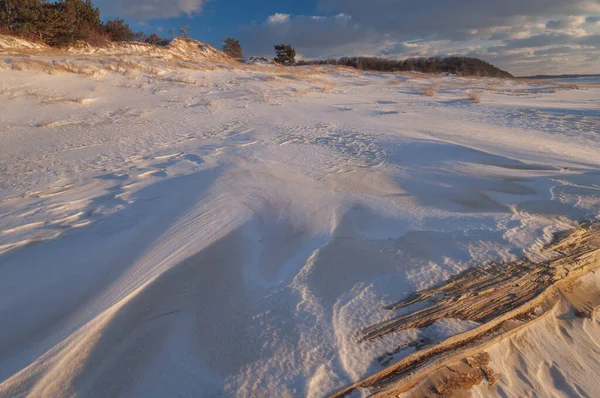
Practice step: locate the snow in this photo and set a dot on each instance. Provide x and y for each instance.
(260, 61)
(178, 49)
(193, 229)
(11, 45)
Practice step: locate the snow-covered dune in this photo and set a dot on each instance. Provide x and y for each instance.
(193, 229)
(179, 49)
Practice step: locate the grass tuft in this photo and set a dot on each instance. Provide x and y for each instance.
(429, 91)
(474, 96)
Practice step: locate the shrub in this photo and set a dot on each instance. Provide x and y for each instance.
(156, 40)
(97, 37)
(118, 30)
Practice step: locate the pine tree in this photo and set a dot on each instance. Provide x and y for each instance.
(233, 48)
(21, 17)
(72, 20)
(285, 54)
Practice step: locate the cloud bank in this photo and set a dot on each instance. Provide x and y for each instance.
(522, 36)
(150, 9)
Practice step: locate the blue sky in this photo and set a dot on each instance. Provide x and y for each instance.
(522, 36)
(218, 19)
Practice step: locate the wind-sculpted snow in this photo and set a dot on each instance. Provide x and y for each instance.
(184, 228)
(351, 145)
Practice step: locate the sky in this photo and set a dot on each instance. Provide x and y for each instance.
(524, 37)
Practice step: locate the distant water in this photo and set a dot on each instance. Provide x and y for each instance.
(593, 79)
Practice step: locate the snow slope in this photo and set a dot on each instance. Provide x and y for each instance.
(179, 49)
(180, 229)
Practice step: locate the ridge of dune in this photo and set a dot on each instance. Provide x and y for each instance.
(178, 49)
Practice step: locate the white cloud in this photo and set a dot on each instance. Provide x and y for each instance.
(567, 23)
(278, 18)
(515, 34)
(313, 36)
(454, 18)
(150, 9)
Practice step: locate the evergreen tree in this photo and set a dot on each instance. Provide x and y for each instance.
(233, 48)
(285, 54)
(21, 17)
(71, 20)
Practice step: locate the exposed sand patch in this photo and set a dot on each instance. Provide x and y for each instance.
(503, 299)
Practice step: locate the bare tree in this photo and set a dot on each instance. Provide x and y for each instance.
(172, 33)
(184, 30)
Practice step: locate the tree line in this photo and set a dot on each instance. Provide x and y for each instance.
(62, 22)
(462, 66)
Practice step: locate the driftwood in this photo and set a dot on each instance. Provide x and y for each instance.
(503, 298)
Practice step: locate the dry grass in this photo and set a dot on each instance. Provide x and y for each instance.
(535, 82)
(58, 67)
(315, 77)
(49, 97)
(474, 96)
(268, 78)
(17, 66)
(429, 91)
(182, 79)
(48, 124)
(571, 86)
(155, 72)
(91, 69)
(83, 100)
